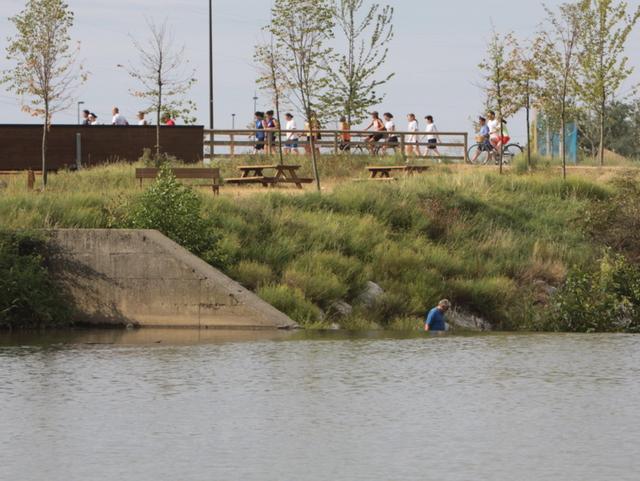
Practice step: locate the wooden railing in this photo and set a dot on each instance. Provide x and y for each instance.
(331, 141)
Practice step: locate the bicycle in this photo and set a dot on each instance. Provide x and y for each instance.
(485, 151)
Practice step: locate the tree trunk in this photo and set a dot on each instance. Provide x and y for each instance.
(528, 135)
(563, 133)
(602, 122)
(158, 113)
(45, 130)
(314, 158)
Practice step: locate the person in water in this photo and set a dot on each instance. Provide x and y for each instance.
(435, 320)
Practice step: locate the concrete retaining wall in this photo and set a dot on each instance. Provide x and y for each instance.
(144, 278)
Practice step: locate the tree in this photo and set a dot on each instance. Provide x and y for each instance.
(301, 29)
(270, 60)
(499, 68)
(160, 71)
(603, 65)
(44, 74)
(525, 75)
(556, 55)
(356, 79)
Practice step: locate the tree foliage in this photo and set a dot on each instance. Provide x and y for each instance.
(44, 57)
(302, 29)
(162, 74)
(602, 62)
(556, 50)
(356, 78)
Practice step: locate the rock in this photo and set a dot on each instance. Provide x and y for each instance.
(339, 310)
(462, 320)
(543, 292)
(370, 295)
(335, 327)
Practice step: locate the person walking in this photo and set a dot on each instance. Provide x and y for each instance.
(378, 128)
(291, 139)
(432, 139)
(271, 124)
(412, 144)
(392, 138)
(436, 319)
(85, 117)
(259, 135)
(118, 119)
(141, 119)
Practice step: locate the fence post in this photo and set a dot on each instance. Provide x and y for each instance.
(232, 149)
(78, 151)
(466, 148)
(402, 147)
(335, 142)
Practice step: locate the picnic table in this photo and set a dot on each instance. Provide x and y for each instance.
(282, 173)
(209, 174)
(385, 171)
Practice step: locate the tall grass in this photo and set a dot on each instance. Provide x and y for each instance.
(485, 241)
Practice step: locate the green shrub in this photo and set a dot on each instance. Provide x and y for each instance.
(175, 210)
(615, 222)
(607, 300)
(292, 302)
(29, 297)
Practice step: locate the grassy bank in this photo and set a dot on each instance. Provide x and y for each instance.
(495, 245)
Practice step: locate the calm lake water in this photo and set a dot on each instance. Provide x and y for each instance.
(188, 406)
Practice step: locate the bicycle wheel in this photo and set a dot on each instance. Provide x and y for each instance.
(510, 152)
(478, 155)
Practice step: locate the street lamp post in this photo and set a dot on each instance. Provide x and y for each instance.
(211, 72)
(81, 102)
(233, 127)
(255, 101)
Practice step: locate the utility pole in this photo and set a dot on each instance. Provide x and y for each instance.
(211, 72)
(233, 121)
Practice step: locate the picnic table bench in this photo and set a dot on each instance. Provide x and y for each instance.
(385, 171)
(254, 174)
(185, 173)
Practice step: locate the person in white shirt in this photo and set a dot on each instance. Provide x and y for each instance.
(392, 138)
(118, 118)
(141, 119)
(291, 140)
(432, 139)
(412, 144)
(494, 129)
(93, 119)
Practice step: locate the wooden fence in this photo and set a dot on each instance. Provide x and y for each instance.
(20, 145)
(228, 143)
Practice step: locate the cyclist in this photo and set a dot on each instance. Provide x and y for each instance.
(494, 130)
(484, 136)
(505, 133)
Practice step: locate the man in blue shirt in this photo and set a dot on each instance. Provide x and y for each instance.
(435, 320)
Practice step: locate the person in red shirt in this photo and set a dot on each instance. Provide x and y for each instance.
(166, 120)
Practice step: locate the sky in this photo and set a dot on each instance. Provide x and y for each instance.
(434, 55)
